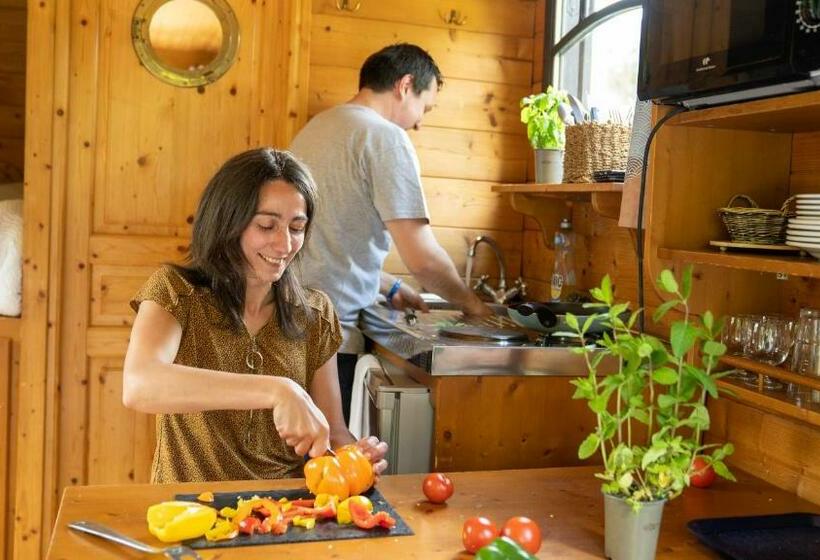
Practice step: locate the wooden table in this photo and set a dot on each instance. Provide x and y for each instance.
(566, 503)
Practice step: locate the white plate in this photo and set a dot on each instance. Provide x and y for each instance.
(808, 213)
(808, 207)
(794, 227)
(811, 248)
(805, 221)
(803, 232)
(802, 239)
(808, 196)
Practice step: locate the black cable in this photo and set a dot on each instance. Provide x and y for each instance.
(640, 243)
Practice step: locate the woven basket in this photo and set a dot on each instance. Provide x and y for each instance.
(753, 224)
(592, 147)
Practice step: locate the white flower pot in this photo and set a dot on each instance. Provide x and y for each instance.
(629, 535)
(549, 166)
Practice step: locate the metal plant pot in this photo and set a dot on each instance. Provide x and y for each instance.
(549, 166)
(630, 535)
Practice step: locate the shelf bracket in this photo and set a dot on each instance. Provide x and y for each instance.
(548, 212)
(607, 204)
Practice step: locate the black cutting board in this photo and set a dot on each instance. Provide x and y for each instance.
(323, 531)
(792, 536)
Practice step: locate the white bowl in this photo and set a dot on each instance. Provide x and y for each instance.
(811, 248)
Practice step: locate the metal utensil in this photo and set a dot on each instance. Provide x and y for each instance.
(178, 552)
(578, 109)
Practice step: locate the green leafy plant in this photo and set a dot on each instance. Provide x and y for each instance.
(662, 388)
(545, 127)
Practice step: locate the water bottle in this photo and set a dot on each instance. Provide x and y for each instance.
(563, 274)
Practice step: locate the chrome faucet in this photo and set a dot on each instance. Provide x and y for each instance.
(501, 294)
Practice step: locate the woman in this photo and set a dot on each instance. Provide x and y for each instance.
(234, 356)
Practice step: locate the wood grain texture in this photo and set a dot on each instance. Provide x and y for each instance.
(346, 42)
(567, 505)
(505, 18)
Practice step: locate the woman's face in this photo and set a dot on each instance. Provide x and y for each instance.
(276, 232)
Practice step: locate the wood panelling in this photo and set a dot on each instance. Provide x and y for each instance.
(121, 441)
(111, 148)
(462, 104)
(112, 287)
(9, 378)
(508, 18)
(508, 433)
(458, 53)
(12, 89)
(469, 204)
(779, 450)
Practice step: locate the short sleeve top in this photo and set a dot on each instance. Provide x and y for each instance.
(231, 444)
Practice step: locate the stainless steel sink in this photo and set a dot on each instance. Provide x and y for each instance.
(421, 343)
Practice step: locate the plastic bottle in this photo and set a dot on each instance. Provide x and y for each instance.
(563, 275)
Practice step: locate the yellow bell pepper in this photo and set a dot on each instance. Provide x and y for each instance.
(306, 522)
(179, 521)
(343, 516)
(223, 530)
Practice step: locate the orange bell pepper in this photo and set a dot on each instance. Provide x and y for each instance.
(348, 474)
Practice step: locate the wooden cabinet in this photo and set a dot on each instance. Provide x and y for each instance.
(9, 372)
(766, 149)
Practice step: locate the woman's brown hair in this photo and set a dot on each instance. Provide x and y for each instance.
(226, 208)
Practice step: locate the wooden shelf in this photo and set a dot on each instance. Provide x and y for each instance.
(10, 327)
(799, 112)
(532, 198)
(772, 371)
(793, 265)
(776, 402)
(559, 189)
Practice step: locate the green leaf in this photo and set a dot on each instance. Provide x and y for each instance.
(663, 309)
(666, 401)
(686, 282)
(598, 404)
(682, 338)
(705, 381)
(665, 376)
(588, 323)
(668, 282)
(625, 482)
(644, 350)
(722, 470)
(700, 417)
(708, 320)
(572, 321)
(589, 446)
(606, 289)
(652, 454)
(714, 348)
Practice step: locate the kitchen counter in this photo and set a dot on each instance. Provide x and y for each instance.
(566, 503)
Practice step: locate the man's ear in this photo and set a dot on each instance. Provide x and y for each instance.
(404, 86)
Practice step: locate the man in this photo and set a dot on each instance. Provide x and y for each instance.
(370, 191)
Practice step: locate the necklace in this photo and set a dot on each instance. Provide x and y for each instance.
(254, 361)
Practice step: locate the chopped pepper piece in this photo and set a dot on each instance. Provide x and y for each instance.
(306, 522)
(223, 530)
(366, 520)
(249, 525)
(207, 497)
(178, 521)
(503, 548)
(343, 512)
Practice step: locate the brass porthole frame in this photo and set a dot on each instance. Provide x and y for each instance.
(140, 21)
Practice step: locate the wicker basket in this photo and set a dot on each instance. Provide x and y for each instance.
(593, 146)
(753, 224)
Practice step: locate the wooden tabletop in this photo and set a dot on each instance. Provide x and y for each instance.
(566, 503)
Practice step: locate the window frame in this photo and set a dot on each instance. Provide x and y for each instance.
(586, 24)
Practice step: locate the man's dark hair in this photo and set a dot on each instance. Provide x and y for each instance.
(381, 70)
(227, 206)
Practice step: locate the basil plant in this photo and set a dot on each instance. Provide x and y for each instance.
(545, 127)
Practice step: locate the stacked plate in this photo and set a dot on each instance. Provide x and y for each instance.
(804, 229)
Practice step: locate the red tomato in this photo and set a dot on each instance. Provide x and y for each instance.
(437, 488)
(478, 532)
(703, 475)
(524, 531)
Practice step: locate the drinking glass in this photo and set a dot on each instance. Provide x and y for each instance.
(736, 333)
(773, 339)
(806, 354)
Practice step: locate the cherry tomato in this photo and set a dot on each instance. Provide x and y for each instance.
(478, 532)
(524, 531)
(437, 487)
(703, 475)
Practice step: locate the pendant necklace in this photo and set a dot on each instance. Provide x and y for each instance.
(254, 361)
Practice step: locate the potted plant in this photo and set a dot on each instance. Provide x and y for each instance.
(651, 412)
(545, 130)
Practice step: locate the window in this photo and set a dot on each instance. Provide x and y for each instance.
(593, 52)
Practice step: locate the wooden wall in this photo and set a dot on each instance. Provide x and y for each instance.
(12, 88)
(9, 375)
(473, 138)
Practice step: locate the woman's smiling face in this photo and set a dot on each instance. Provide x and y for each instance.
(276, 232)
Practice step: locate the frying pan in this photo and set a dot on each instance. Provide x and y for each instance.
(550, 316)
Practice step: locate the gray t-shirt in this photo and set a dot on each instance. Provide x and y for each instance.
(367, 172)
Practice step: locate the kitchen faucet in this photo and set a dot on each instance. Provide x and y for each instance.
(501, 294)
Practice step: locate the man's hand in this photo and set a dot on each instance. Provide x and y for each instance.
(408, 297)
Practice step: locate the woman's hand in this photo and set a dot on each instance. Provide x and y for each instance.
(374, 450)
(298, 420)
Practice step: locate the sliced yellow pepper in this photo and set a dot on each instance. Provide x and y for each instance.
(343, 516)
(179, 521)
(223, 530)
(306, 522)
(206, 497)
(227, 512)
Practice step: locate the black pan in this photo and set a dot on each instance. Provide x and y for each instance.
(549, 317)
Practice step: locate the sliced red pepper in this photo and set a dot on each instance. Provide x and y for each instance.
(303, 502)
(249, 525)
(366, 520)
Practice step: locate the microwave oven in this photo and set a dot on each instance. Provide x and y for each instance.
(707, 52)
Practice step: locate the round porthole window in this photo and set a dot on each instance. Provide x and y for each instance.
(185, 43)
